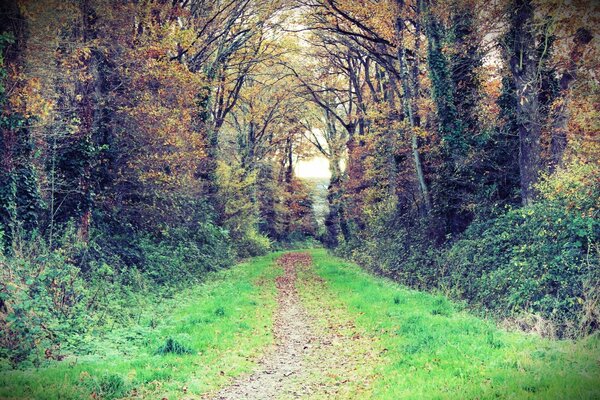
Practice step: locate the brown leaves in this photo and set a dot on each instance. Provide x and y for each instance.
(295, 259)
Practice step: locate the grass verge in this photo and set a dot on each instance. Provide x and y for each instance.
(185, 346)
(431, 349)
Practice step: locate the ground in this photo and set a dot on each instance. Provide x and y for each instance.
(309, 325)
(308, 360)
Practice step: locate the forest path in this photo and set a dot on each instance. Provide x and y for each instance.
(314, 356)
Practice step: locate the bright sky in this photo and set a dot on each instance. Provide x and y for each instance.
(316, 167)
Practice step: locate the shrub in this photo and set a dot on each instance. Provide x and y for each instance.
(42, 303)
(183, 254)
(398, 249)
(49, 297)
(539, 259)
(252, 244)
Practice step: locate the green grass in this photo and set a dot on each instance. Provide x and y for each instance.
(430, 349)
(192, 343)
(399, 343)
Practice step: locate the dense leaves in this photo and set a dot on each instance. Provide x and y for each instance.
(145, 144)
(454, 118)
(132, 137)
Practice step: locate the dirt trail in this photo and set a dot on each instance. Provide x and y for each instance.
(293, 339)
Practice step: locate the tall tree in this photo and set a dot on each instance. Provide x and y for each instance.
(524, 64)
(410, 93)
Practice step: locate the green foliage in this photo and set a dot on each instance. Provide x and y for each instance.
(8, 183)
(537, 259)
(29, 201)
(532, 259)
(172, 346)
(398, 248)
(540, 259)
(20, 200)
(240, 213)
(251, 244)
(8, 205)
(43, 297)
(443, 91)
(184, 254)
(54, 296)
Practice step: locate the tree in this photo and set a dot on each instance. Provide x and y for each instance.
(20, 200)
(524, 62)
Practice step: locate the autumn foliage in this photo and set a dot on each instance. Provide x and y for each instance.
(149, 142)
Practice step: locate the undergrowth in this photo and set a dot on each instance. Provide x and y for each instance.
(534, 266)
(182, 339)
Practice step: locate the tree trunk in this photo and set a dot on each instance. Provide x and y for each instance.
(8, 186)
(20, 200)
(334, 194)
(408, 102)
(87, 113)
(524, 67)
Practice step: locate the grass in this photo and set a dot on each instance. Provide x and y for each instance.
(430, 349)
(185, 346)
(390, 343)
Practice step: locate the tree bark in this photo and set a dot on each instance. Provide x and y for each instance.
(408, 102)
(8, 186)
(332, 221)
(20, 200)
(88, 115)
(524, 67)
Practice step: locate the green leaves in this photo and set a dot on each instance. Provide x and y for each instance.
(533, 259)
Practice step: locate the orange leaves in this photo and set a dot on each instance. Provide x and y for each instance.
(32, 102)
(378, 15)
(156, 103)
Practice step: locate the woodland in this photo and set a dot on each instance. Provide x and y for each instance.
(148, 146)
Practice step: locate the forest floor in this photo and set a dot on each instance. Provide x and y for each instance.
(312, 326)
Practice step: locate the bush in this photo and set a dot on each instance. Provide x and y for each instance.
(540, 259)
(42, 303)
(532, 259)
(535, 263)
(182, 254)
(397, 248)
(49, 297)
(252, 244)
